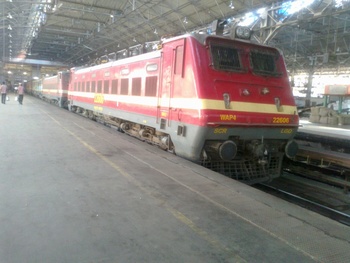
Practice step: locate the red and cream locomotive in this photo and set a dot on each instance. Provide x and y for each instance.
(220, 102)
(223, 103)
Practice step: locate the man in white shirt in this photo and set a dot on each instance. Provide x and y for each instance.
(3, 92)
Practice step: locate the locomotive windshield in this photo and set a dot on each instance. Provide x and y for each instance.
(229, 58)
(225, 58)
(263, 63)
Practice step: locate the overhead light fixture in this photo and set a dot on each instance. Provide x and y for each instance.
(9, 27)
(185, 20)
(9, 16)
(155, 31)
(231, 5)
(10, 35)
(134, 40)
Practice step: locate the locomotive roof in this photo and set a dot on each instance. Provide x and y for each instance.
(145, 56)
(202, 38)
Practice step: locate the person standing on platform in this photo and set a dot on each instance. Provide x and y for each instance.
(20, 93)
(3, 92)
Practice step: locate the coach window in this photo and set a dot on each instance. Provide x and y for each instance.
(99, 86)
(106, 87)
(179, 60)
(136, 87)
(114, 86)
(83, 86)
(75, 86)
(124, 86)
(79, 84)
(151, 86)
(93, 86)
(88, 86)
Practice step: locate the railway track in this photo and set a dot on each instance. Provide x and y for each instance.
(312, 195)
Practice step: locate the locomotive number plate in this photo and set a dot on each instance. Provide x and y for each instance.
(280, 120)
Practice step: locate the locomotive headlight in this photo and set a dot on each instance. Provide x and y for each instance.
(243, 32)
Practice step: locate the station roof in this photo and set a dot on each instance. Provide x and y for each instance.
(314, 35)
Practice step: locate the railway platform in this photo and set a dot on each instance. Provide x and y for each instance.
(324, 153)
(329, 143)
(333, 131)
(73, 190)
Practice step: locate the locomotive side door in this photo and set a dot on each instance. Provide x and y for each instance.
(172, 62)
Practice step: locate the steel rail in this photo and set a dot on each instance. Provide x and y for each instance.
(308, 204)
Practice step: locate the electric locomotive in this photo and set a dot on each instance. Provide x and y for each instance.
(223, 103)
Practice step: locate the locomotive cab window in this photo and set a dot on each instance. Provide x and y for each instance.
(264, 63)
(225, 58)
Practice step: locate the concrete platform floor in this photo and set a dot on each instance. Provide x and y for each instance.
(72, 190)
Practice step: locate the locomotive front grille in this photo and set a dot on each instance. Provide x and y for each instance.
(248, 171)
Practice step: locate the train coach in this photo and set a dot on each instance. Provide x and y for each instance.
(55, 89)
(224, 103)
(34, 88)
